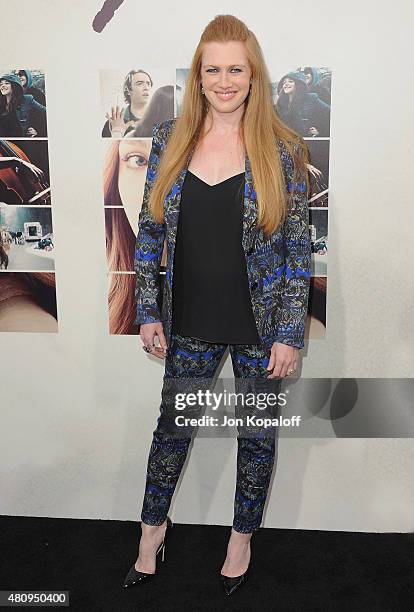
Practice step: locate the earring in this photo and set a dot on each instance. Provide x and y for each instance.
(202, 90)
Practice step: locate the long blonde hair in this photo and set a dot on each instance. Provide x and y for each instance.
(259, 128)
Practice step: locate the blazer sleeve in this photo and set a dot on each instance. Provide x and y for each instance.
(297, 263)
(149, 246)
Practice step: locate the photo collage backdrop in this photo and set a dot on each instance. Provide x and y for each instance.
(27, 263)
(140, 98)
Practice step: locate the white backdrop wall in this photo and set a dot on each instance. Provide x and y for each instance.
(78, 407)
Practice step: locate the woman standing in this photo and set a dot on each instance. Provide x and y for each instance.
(227, 187)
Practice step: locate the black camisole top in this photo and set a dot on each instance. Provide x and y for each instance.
(211, 297)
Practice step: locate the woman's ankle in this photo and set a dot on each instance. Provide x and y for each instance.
(240, 537)
(153, 530)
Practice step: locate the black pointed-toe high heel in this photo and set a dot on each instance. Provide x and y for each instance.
(136, 577)
(232, 584)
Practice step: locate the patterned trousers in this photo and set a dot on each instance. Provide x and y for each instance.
(190, 358)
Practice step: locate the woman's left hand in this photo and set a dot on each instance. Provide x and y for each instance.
(283, 359)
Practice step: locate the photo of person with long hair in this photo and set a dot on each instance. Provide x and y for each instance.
(302, 110)
(16, 108)
(125, 169)
(227, 187)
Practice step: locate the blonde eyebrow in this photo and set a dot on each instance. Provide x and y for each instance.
(232, 66)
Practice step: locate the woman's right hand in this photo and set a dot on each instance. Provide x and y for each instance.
(148, 332)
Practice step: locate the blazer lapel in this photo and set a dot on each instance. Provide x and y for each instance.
(249, 209)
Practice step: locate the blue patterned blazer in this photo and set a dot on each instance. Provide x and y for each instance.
(278, 267)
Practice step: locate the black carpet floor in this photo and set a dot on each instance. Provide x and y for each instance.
(290, 570)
